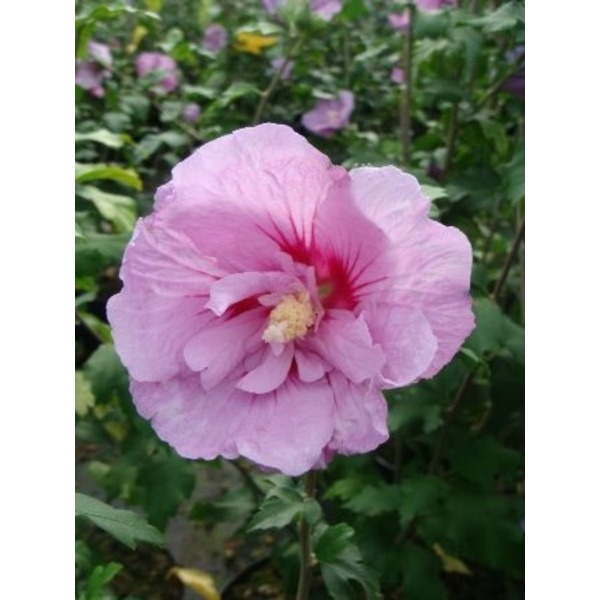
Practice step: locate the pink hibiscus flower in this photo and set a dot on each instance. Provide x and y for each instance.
(328, 116)
(271, 296)
(150, 62)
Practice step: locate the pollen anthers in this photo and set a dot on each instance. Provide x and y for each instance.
(290, 319)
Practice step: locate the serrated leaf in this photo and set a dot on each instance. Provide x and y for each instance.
(505, 17)
(124, 525)
(280, 508)
(107, 374)
(201, 582)
(375, 500)
(119, 210)
(104, 137)
(420, 495)
(93, 172)
(495, 332)
(433, 192)
(84, 397)
(342, 567)
(333, 541)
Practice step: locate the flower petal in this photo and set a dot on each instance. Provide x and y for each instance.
(240, 286)
(310, 366)
(216, 351)
(344, 341)
(288, 428)
(360, 416)
(270, 174)
(270, 373)
(151, 331)
(434, 274)
(389, 198)
(407, 340)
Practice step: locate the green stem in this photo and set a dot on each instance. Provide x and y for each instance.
(406, 97)
(306, 562)
(451, 141)
(266, 95)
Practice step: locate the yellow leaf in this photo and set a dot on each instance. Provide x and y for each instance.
(197, 580)
(451, 564)
(254, 43)
(139, 33)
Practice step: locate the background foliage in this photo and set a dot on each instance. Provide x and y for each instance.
(438, 511)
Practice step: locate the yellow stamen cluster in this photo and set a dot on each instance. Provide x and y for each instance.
(290, 319)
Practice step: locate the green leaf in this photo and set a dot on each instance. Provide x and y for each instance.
(495, 333)
(105, 137)
(433, 192)
(420, 569)
(119, 210)
(513, 176)
(165, 480)
(504, 18)
(420, 495)
(99, 578)
(342, 563)
(84, 397)
(93, 172)
(107, 374)
(98, 250)
(354, 9)
(375, 500)
(333, 541)
(124, 525)
(280, 507)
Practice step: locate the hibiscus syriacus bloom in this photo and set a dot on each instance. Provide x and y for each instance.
(150, 62)
(215, 38)
(330, 115)
(326, 9)
(90, 74)
(271, 296)
(191, 112)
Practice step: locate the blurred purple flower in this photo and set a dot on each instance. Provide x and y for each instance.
(90, 74)
(100, 53)
(515, 85)
(399, 21)
(191, 112)
(397, 75)
(330, 115)
(277, 63)
(215, 38)
(326, 9)
(429, 5)
(149, 62)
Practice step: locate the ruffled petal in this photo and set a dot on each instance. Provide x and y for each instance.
(389, 198)
(360, 417)
(288, 428)
(197, 423)
(270, 373)
(434, 275)
(269, 175)
(310, 366)
(344, 341)
(151, 331)
(407, 340)
(240, 286)
(218, 350)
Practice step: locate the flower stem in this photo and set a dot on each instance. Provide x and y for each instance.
(406, 97)
(266, 95)
(509, 260)
(306, 563)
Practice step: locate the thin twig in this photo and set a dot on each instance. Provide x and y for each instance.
(451, 141)
(406, 97)
(508, 262)
(494, 89)
(266, 95)
(450, 414)
(306, 563)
